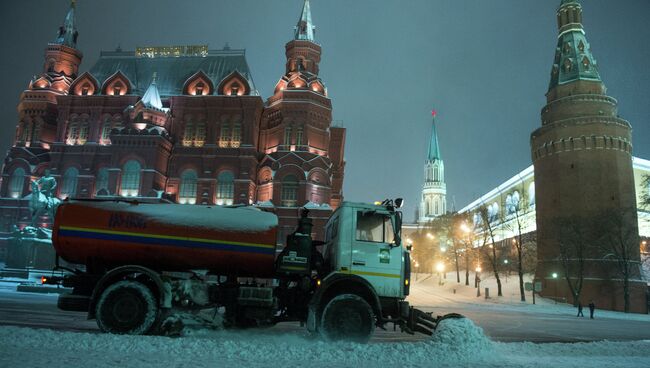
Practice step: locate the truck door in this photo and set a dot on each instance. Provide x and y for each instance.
(373, 257)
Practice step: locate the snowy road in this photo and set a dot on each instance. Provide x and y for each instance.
(504, 323)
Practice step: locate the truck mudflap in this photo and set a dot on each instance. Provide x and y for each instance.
(416, 320)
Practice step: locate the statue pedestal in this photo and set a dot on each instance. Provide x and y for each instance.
(31, 248)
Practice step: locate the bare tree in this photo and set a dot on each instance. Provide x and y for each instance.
(619, 242)
(572, 244)
(488, 231)
(517, 225)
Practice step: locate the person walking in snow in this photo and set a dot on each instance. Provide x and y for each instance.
(580, 310)
(592, 307)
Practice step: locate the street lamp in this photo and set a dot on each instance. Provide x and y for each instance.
(477, 280)
(505, 262)
(440, 267)
(554, 275)
(416, 270)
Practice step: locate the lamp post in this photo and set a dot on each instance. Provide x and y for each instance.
(505, 262)
(478, 280)
(440, 267)
(554, 275)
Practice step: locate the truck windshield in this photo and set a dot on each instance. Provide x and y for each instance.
(374, 227)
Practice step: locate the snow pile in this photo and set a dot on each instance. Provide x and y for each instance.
(264, 348)
(461, 335)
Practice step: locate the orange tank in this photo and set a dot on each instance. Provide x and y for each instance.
(227, 241)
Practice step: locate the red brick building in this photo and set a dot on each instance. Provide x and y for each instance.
(182, 122)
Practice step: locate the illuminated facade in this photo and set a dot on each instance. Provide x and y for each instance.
(181, 122)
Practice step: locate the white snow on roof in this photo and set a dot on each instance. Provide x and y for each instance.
(239, 219)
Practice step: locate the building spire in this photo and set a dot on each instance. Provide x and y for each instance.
(434, 148)
(151, 96)
(573, 58)
(68, 31)
(305, 28)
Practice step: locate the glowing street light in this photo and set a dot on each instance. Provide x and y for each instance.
(478, 269)
(443, 249)
(505, 261)
(440, 267)
(554, 275)
(464, 228)
(429, 235)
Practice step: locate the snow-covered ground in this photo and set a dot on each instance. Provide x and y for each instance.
(458, 343)
(427, 292)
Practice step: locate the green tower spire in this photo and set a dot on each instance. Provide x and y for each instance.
(573, 58)
(68, 31)
(434, 148)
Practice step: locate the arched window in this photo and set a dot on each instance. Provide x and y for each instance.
(225, 188)
(188, 134)
(106, 131)
(531, 194)
(188, 187)
(224, 137)
(131, 179)
(73, 133)
(101, 183)
(287, 136)
(236, 135)
(69, 187)
(17, 183)
(83, 133)
(199, 135)
(436, 174)
(436, 207)
(289, 195)
(299, 136)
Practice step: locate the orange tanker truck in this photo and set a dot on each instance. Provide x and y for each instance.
(140, 262)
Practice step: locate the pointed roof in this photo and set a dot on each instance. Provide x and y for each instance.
(573, 58)
(151, 97)
(68, 31)
(305, 28)
(434, 148)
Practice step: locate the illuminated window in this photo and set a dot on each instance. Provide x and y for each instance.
(106, 132)
(289, 195)
(69, 187)
(234, 90)
(101, 183)
(531, 194)
(188, 134)
(117, 88)
(84, 89)
(224, 138)
(199, 88)
(236, 135)
(83, 133)
(225, 188)
(131, 178)
(188, 187)
(73, 133)
(17, 183)
(199, 135)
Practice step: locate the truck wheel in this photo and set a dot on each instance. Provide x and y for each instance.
(348, 317)
(126, 307)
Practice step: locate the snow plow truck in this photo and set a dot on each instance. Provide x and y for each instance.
(139, 262)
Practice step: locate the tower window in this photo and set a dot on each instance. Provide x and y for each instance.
(131, 179)
(289, 194)
(199, 88)
(85, 89)
(299, 136)
(234, 90)
(287, 135)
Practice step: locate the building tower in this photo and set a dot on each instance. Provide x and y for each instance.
(584, 184)
(304, 160)
(37, 109)
(434, 191)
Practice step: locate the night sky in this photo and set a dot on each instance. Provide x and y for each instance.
(484, 65)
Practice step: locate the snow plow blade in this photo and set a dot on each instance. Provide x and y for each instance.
(425, 323)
